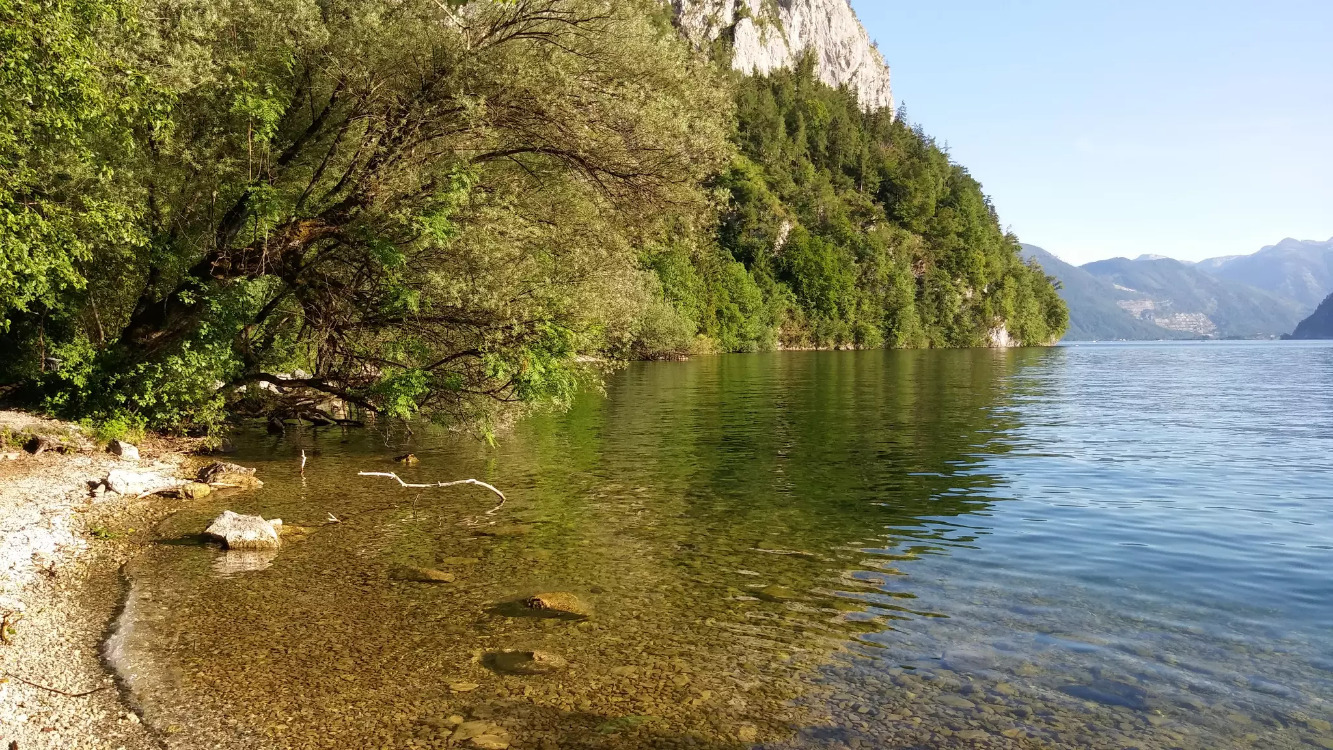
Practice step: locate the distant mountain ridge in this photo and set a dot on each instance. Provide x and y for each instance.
(1094, 312)
(1183, 298)
(1301, 270)
(1263, 295)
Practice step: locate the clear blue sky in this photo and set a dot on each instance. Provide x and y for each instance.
(1188, 128)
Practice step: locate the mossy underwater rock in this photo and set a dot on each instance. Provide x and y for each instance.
(194, 490)
(420, 575)
(559, 602)
(230, 475)
(245, 532)
(525, 662)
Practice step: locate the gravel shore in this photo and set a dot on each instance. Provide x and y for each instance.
(61, 550)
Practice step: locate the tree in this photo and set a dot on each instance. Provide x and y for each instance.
(420, 206)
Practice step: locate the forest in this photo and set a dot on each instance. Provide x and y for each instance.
(456, 210)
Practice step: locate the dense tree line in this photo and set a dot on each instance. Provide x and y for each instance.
(845, 228)
(444, 207)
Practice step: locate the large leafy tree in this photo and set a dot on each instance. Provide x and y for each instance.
(416, 205)
(69, 110)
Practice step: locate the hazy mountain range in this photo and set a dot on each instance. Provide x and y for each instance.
(1263, 295)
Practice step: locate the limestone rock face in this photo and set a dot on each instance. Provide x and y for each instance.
(772, 34)
(1000, 338)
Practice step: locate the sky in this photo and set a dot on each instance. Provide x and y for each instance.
(1103, 128)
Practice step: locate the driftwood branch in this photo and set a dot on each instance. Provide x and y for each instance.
(476, 482)
(57, 691)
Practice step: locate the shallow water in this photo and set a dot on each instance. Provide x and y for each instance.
(1096, 546)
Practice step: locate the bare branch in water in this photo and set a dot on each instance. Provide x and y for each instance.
(476, 482)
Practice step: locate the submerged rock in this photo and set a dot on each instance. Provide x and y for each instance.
(777, 593)
(560, 602)
(525, 662)
(194, 490)
(420, 575)
(245, 532)
(231, 475)
(1110, 693)
(481, 734)
(408, 459)
(124, 450)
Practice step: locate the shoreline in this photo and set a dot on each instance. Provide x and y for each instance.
(61, 551)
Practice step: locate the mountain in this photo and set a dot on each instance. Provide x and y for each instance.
(1094, 312)
(1183, 297)
(766, 36)
(1299, 270)
(1319, 325)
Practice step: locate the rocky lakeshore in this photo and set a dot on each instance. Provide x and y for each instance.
(63, 538)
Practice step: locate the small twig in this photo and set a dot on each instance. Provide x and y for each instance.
(57, 691)
(476, 482)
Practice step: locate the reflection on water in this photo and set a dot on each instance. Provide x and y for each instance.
(1097, 547)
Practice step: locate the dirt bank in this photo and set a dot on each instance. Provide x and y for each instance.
(61, 548)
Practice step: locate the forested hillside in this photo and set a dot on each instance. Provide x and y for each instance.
(843, 228)
(448, 209)
(1319, 325)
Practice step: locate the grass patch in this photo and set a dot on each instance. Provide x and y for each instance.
(130, 429)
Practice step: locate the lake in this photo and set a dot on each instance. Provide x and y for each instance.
(1092, 546)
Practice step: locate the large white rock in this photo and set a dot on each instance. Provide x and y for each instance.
(124, 450)
(128, 482)
(245, 532)
(769, 36)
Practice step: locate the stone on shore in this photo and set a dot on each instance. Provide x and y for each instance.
(124, 450)
(231, 475)
(128, 482)
(245, 532)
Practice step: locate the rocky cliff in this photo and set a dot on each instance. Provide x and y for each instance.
(769, 34)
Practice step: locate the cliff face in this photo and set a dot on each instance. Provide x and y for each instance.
(772, 34)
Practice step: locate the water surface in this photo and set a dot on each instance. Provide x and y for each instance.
(1095, 546)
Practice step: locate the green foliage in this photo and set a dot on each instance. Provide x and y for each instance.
(416, 208)
(862, 232)
(69, 108)
(119, 427)
(447, 210)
